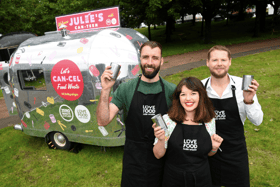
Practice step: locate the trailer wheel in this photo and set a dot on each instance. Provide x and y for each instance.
(60, 141)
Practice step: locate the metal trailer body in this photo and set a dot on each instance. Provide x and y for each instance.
(56, 84)
(8, 44)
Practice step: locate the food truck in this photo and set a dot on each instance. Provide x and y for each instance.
(55, 82)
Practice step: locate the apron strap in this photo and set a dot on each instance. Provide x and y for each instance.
(138, 82)
(206, 82)
(162, 86)
(233, 90)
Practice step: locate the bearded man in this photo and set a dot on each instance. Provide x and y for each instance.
(140, 98)
(229, 166)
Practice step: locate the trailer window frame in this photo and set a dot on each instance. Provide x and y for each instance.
(23, 76)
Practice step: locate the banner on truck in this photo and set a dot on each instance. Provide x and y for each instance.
(108, 17)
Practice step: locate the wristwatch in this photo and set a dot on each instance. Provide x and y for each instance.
(248, 103)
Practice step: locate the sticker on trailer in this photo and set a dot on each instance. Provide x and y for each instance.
(46, 125)
(52, 118)
(17, 59)
(135, 70)
(50, 100)
(103, 130)
(44, 104)
(23, 123)
(84, 40)
(29, 59)
(80, 50)
(16, 92)
(66, 113)
(39, 111)
(98, 85)
(27, 115)
(52, 56)
(82, 114)
(62, 126)
(67, 80)
(7, 90)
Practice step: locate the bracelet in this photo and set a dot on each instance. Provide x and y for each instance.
(214, 151)
(248, 103)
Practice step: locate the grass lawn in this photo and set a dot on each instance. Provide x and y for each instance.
(187, 38)
(27, 161)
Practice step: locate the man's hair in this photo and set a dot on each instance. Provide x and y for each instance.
(220, 48)
(152, 44)
(204, 111)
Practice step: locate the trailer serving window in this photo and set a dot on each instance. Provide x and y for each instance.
(32, 79)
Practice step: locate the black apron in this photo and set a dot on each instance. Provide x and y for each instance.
(186, 163)
(140, 166)
(229, 167)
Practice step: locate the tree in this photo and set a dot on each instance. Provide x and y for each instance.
(211, 8)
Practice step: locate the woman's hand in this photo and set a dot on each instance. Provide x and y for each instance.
(216, 142)
(159, 133)
(159, 149)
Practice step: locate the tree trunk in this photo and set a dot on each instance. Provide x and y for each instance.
(202, 22)
(149, 31)
(183, 20)
(208, 37)
(275, 7)
(257, 20)
(168, 30)
(193, 20)
(228, 7)
(155, 27)
(202, 25)
(262, 16)
(241, 15)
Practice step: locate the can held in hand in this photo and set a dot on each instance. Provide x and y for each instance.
(159, 121)
(247, 79)
(115, 68)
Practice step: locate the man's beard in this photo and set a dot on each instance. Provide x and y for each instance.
(218, 76)
(150, 75)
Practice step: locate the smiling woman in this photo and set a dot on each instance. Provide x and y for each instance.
(190, 137)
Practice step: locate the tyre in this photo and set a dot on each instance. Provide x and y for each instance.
(60, 141)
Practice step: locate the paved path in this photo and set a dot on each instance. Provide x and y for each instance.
(174, 64)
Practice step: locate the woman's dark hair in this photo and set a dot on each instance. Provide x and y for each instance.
(204, 111)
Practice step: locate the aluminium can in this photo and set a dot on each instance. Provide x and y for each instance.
(159, 121)
(247, 79)
(115, 68)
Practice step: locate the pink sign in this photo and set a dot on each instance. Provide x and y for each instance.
(101, 18)
(67, 80)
